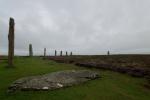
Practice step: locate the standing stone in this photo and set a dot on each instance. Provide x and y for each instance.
(66, 53)
(55, 53)
(70, 53)
(30, 50)
(44, 52)
(108, 53)
(60, 53)
(11, 37)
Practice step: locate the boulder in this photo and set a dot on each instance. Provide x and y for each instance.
(53, 80)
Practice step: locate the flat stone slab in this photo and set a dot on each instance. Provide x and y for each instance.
(53, 80)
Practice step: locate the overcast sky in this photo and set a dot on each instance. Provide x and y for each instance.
(81, 26)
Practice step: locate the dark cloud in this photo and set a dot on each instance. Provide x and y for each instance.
(81, 26)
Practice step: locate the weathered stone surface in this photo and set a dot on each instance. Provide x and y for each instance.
(71, 53)
(44, 53)
(30, 50)
(66, 53)
(11, 37)
(61, 53)
(53, 80)
(55, 53)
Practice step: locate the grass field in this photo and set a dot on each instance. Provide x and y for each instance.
(112, 86)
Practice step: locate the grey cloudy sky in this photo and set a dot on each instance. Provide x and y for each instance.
(81, 26)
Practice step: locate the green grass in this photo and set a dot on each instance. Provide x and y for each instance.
(112, 86)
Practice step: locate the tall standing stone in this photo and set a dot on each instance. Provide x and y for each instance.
(11, 37)
(44, 52)
(66, 53)
(55, 53)
(30, 50)
(108, 53)
(70, 53)
(60, 53)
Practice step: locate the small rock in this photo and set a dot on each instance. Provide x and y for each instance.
(45, 88)
(60, 85)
